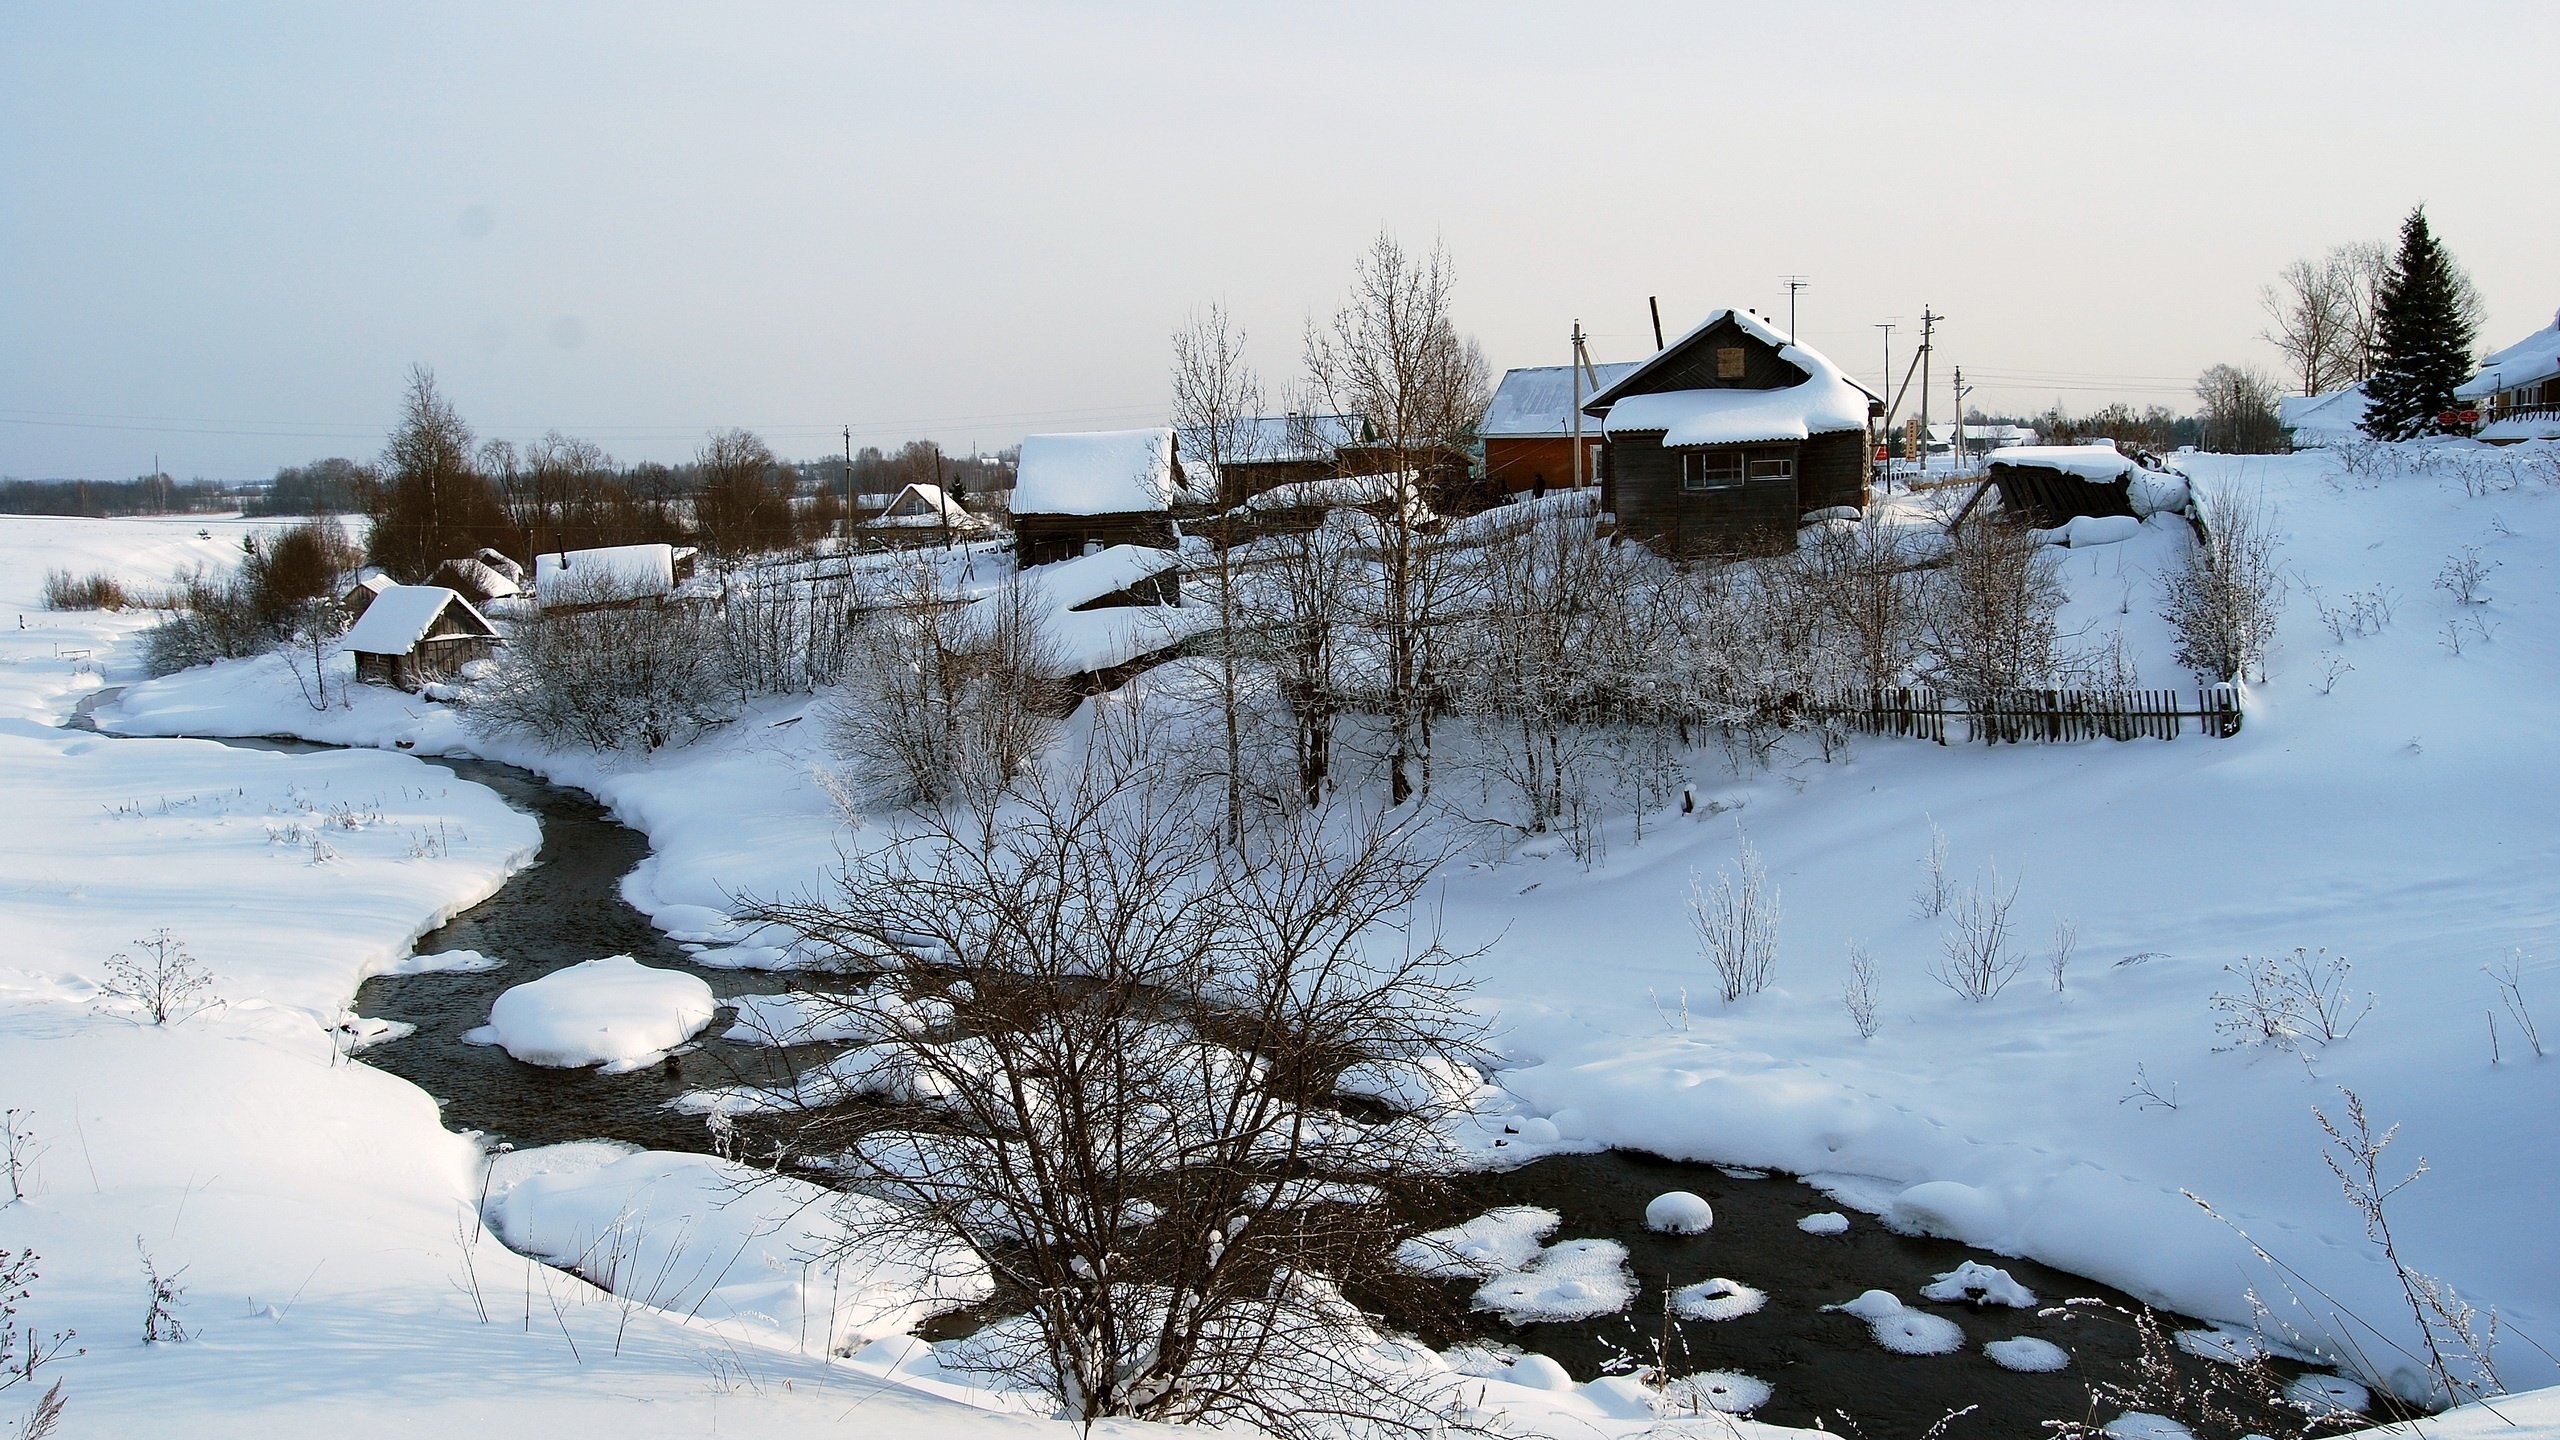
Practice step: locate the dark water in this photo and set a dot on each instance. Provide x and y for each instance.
(568, 907)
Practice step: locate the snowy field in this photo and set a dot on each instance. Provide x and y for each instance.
(2390, 804)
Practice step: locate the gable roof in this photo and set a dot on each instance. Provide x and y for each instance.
(401, 616)
(1825, 401)
(1537, 402)
(1097, 472)
(2534, 358)
(933, 507)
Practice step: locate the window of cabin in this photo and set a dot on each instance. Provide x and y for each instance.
(1703, 470)
(1773, 467)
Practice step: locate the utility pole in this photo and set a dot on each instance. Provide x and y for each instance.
(1887, 388)
(1928, 329)
(848, 490)
(1963, 451)
(1794, 284)
(1654, 303)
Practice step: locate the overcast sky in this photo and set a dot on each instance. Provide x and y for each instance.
(227, 231)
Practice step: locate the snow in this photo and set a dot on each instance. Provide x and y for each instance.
(1826, 1222)
(926, 505)
(2027, 1354)
(1272, 438)
(2534, 358)
(1717, 1299)
(1982, 1284)
(400, 617)
(614, 1012)
(1679, 1213)
(1100, 472)
(1064, 584)
(614, 572)
(1726, 1392)
(1490, 1244)
(2332, 418)
(1899, 1328)
(2143, 1425)
(2329, 1395)
(443, 962)
(1428, 1084)
(705, 1237)
(1570, 1280)
(2089, 462)
(803, 1018)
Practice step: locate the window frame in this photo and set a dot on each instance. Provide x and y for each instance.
(1696, 478)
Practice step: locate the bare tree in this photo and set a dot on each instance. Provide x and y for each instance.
(1392, 355)
(2240, 416)
(1137, 1134)
(1990, 624)
(2312, 314)
(2222, 600)
(743, 505)
(1217, 405)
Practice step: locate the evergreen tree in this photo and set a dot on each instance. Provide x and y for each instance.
(2422, 338)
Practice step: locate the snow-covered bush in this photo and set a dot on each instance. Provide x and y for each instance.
(1988, 625)
(606, 678)
(946, 700)
(2222, 600)
(1737, 924)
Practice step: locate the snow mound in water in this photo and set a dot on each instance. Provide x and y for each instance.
(1426, 1084)
(1717, 1299)
(2028, 1354)
(1727, 1392)
(1490, 1244)
(1901, 1329)
(1575, 1280)
(1981, 1284)
(1828, 1222)
(614, 1012)
(2143, 1425)
(453, 962)
(2328, 1396)
(1679, 1213)
(1948, 1209)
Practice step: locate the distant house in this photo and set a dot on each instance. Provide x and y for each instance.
(615, 576)
(925, 507)
(2314, 421)
(1083, 493)
(1263, 452)
(1728, 437)
(475, 580)
(413, 635)
(361, 594)
(1528, 429)
(2518, 389)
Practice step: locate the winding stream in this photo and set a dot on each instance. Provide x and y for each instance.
(567, 907)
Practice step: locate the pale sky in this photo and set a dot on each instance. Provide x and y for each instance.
(226, 231)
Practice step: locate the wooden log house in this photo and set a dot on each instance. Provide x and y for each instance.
(412, 636)
(1080, 494)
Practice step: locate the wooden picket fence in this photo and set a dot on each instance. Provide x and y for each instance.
(2019, 717)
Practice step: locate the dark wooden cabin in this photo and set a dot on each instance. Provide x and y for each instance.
(1264, 452)
(411, 636)
(1528, 429)
(1724, 440)
(1080, 494)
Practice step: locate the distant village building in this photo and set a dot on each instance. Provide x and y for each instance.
(2518, 389)
(475, 580)
(411, 636)
(1260, 453)
(1528, 429)
(928, 507)
(1083, 493)
(614, 576)
(1729, 436)
(2314, 421)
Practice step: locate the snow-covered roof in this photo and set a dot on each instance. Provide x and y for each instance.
(401, 616)
(1097, 472)
(1274, 439)
(616, 572)
(373, 584)
(932, 508)
(2530, 360)
(2089, 462)
(1945, 434)
(1065, 584)
(2316, 419)
(483, 578)
(1825, 401)
(1538, 401)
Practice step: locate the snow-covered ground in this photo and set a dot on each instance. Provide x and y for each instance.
(2389, 804)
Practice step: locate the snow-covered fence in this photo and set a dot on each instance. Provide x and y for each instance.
(2022, 716)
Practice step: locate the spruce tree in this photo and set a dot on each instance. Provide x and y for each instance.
(2422, 341)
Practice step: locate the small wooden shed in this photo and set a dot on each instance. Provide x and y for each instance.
(361, 594)
(414, 635)
(1728, 437)
(1263, 452)
(1083, 493)
(2047, 486)
(1528, 430)
(475, 580)
(613, 577)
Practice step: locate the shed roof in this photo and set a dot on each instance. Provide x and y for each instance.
(2533, 359)
(615, 572)
(1537, 402)
(1274, 439)
(1097, 472)
(401, 616)
(1825, 401)
(2089, 462)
